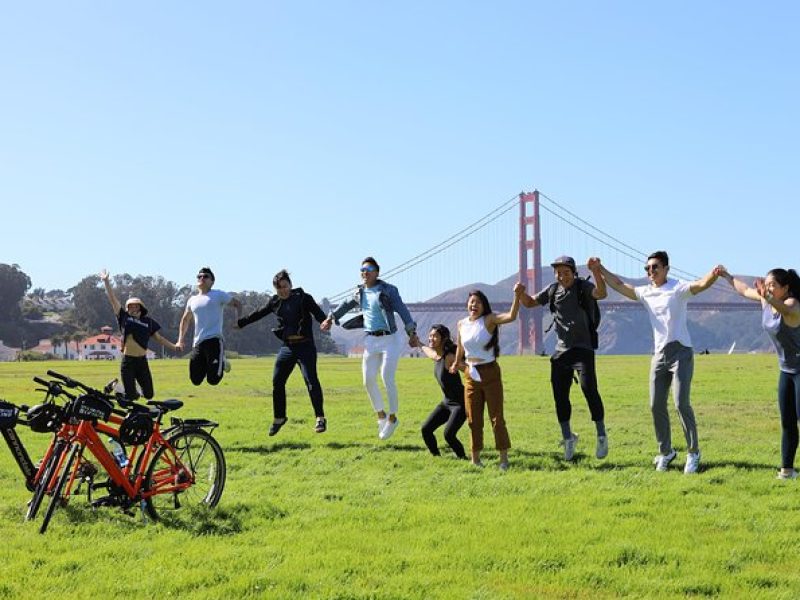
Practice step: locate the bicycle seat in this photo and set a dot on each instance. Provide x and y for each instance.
(166, 405)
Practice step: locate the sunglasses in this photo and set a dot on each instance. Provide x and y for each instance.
(203, 276)
(649, 268)
(368, 269)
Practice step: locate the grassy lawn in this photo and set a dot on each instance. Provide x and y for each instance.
(344, 515)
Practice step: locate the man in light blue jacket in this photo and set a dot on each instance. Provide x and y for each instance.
(378, 302)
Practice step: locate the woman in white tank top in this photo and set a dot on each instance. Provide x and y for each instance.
(476, 354)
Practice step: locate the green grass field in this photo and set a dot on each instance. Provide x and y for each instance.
(344, 515)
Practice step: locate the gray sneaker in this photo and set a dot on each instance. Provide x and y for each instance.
(602, 446)
(569, 446)
(661, 461)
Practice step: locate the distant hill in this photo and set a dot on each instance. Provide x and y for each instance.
(621, 332)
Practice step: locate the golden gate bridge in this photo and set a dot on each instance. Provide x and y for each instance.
(525, 249)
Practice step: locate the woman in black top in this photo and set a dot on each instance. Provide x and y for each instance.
(137, 329)
(450, 412)
(294, 309)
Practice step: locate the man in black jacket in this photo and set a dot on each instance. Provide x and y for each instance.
(294, 309)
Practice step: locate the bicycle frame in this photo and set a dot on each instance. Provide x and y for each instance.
(21, 456)
(129, 480)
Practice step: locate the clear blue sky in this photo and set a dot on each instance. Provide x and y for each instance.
(156, 137)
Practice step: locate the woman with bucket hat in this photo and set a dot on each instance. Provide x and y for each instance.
(137, 329)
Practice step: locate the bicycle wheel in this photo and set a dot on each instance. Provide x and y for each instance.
(56, 498)
(45, 480)
(192, 457)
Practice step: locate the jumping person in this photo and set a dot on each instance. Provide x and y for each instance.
(295, 310)
(476, 355)
(779, 294)
(450, 411)
(666, 300)
(569, 299)
(205, 310)
(137, 329)
(378, 302)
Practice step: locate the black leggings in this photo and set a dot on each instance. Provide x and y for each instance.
(452, 416)
(207, 361)
(561, 369)
(133, 370)
(789, 405)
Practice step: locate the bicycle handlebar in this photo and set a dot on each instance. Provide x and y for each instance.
(68, 381)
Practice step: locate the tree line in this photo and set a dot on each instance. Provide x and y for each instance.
(22, 323)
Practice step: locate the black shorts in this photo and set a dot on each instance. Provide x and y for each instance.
(207, 361)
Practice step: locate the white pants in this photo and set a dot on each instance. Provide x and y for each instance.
(381, 353)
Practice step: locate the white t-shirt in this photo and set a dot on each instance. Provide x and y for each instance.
(207, 311)
(666, 306)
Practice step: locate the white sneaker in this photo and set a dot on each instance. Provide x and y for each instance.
(787, 474)
(381, 426)
(569, 446)
(692, 462)
(661, 461)
(602, 446)
(388, 430)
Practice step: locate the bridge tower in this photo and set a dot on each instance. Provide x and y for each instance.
(530, 261)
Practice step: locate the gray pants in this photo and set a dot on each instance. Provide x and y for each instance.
(673, 361)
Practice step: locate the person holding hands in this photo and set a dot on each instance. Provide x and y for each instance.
(476, 355)
(137, 329)
(779, 294)
(572, 301)
(665, 300)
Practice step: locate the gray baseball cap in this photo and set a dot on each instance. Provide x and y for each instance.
(566, 261)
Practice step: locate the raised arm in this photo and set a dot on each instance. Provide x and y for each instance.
(599, 292)
(494, 319)
(741, 287)
(702, 284)
(788, 308)
(112, 297)
(626, 289)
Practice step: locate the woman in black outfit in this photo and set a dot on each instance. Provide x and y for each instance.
(450, 412)
(294, 309)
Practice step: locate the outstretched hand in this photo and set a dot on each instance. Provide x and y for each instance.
(593, 263)
(326, 325)
(519, 289)
(104, 275)
(758, 283)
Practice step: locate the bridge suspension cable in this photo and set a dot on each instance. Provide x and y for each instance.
(467, 231)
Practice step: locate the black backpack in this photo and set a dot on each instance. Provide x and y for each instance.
(592, 310)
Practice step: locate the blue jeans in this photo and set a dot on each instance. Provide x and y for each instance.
(789, 405)
(304, 354)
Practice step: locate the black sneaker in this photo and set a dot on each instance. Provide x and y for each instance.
(276, 426)
(322, 425)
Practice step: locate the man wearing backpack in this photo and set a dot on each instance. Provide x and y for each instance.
(576, 316)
